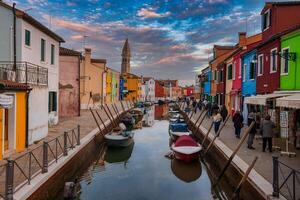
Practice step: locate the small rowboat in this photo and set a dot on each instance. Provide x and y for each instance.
(119, 140)
(178, 129)
(186, 149)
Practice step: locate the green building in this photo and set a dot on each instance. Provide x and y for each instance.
(290, 61)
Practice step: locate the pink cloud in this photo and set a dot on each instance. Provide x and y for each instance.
(145, 13)
(178, 47)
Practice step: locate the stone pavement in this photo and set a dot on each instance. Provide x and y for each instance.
(264, 165)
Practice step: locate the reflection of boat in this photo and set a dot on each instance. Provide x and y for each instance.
(119, 140)
(178, 129)
(186, 148)
(114, 155)
(187, 172)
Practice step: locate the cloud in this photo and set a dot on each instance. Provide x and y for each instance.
(148, 13)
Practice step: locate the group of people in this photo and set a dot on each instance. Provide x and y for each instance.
(265, 126)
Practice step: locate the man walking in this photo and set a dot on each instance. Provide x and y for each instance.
(238, 123)
(251, 118)
(267, 133)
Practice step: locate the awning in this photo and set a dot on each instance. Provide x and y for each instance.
(6, 101)
(292, 101)
(262, 99)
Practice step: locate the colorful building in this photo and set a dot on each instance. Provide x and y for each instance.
(92, 81)
(13, 117)
(206, 83)
(112, 85)
(290, 61)
(69, 81)
(35, 63)
(149, 88)
(160, 92)
(132, 87)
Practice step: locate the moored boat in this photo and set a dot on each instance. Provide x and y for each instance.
(121, 139)
(186, 148)
(178, 129)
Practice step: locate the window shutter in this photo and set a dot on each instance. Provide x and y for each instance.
(49, 102)
(54, 101)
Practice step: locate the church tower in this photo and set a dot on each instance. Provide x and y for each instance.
(125, 67)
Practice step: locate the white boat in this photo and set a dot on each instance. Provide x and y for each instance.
(119, 140)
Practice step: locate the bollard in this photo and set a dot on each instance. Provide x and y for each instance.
(275, 176)
(78, 134)
(45, 157)
(9, 181)
(65, 143)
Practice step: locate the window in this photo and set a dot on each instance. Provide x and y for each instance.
(252, 71)
(273, 61)
(52, 104)
(52, 54)
(240, 69)
(27, 37)
(234, 71)
(260, 62)
(229, 74)
(285, 61)
(266, 20)
(43, 49)
(244, 72)
(221, 75)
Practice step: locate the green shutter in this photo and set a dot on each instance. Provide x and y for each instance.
(54, 101)
(49, 102)
(52, 54)
(27, 37)
(42, 50)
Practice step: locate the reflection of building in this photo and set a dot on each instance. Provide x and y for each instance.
(69, 76)
(35, 63)
(149, 116)
(161, 111)
(92, 84)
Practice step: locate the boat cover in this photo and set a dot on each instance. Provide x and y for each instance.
(186, 145)
(179, 127)
(178, 133)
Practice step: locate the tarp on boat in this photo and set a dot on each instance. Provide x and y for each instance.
(186, 141)
(179, 127)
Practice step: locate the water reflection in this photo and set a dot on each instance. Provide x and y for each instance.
(161, 111)
(149, 116)
(115, 155)
(187, 172)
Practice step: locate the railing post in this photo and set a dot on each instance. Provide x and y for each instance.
(26, 73)
(45, 157)
(78, 134)
(38, 75)
(65, 143)
(275, 177)
(9, 182)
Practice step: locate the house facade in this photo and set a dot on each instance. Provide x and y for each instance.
(69, 82)
(132, 87)
(112, 85)
(35, 63)
(149, 88)
(159, 90)
(92, 81)
(207, 83)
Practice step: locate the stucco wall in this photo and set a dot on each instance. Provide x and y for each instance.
(248, 85)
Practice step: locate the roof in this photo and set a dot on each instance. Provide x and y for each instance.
(68, 52)
(99, 60)
(33, 22)
(113, 70)
(131, 75)
(147, 78)
(278, 3)
(224, 47)
(11, 85)
(167, 82)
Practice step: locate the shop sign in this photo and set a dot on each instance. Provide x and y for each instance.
(284, 119)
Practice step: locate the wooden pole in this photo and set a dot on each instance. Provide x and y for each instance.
(113, 119)
(202, 120)
(105, 127)
(234, 152)
(217, 134)
(107, 114)
(198, 119)
(96, 120)
(122, 106)
(207, 133)
(116, 111)
(238, 188)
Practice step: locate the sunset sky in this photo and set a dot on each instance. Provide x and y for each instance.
(169, 38)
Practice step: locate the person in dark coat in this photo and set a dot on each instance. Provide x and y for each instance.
(251, 118)
(238, 123)
(209, 108)
(194, 104)
(215, 108)
(267, 127)
(224, 112)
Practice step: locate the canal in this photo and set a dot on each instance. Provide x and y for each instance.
(141, 171)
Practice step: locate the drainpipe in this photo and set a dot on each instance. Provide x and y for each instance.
(79, 60)
(27, 117)
(14, 38)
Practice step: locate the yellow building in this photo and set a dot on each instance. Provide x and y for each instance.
(132, 87)
(13, 117)
(92, 81)
(108, 86)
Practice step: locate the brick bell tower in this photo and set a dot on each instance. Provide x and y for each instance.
(126, 54)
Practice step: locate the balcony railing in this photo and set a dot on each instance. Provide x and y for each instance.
(23, 72)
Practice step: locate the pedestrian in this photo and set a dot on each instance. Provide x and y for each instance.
(238, 123)
(215, 107)
(217, 118)
(267, 133)
(251, 118)
(224, 112)
(208, 108)
(194, 104)
(199, 105)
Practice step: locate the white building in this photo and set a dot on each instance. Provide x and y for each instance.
(149, 88)
(37, 58)
(143, 92)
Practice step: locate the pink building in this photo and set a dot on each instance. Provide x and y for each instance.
(69, 82)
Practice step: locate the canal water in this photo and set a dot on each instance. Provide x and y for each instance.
(142, 172)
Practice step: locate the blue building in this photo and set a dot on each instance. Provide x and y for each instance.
(206, 72)
(249, 62)
(121, 88)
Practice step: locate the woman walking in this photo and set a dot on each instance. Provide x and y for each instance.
(238, 123)
(224, 112)
(217, 118)
(267, 133)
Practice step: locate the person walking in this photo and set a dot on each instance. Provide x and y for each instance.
(194, 104)
(251, 118)
(238, 123)
(215, 107)
(217, 118)
(208, 107)
(267, 133)
(224, 112)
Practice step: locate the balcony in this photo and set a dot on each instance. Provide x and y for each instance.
(24, 72)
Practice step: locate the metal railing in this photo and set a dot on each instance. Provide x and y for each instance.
(286, 180)
(23, 72)
(19, 171)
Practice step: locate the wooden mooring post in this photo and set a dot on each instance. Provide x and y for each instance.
(100, 130)
(207, 133)
(234, 153)
(236, 193)
(195, 125)
(122, 106)
(105, 127)
(112, 117)
(217, 135)
(111, 122)
(202, 120)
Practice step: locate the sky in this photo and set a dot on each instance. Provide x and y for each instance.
(169, 39)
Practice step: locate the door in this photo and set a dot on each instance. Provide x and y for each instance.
(6, 144)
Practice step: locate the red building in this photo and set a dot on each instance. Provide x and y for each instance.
(190, 90)
(273, 24)
(159, 90)
(221, 76)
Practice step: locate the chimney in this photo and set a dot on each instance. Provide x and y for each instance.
(87, 54)
(242, 39)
